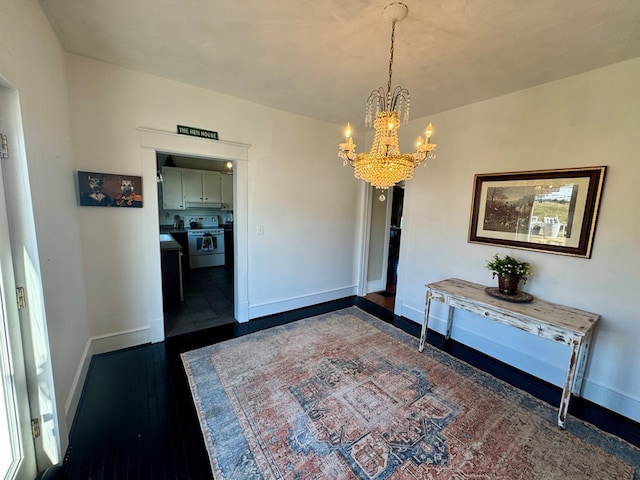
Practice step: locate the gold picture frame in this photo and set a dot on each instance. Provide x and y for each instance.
(553, 211)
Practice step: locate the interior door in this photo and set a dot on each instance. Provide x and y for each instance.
(27, 327)
(395, 234)
(17, 452)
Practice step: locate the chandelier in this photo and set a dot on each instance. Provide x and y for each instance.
(384, 165)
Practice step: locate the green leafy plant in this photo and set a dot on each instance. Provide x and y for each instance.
(508, 267)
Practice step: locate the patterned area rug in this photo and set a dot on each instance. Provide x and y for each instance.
(347, 396)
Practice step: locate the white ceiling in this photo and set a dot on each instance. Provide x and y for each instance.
(321, 58)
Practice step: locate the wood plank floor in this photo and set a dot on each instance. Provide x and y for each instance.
(134, 422)
(136, 419)
(384, 299)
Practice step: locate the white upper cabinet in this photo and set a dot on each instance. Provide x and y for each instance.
(192, 185)
(172, 195)
(185, 188)
(211, 187)
(201, 189)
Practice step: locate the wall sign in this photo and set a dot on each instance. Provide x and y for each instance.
(197, 132)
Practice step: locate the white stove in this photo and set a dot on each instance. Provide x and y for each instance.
(206, 244)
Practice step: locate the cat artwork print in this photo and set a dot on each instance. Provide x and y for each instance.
(109, 190)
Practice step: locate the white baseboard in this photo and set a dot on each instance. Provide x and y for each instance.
(375, 286)
(71, 405)
(285, 305)
(119, 340)
(101, 344)
(156, 330)
(409, 312)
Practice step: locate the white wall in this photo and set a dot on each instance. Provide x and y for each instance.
(297, 189)
(32, 62)
(586, 120)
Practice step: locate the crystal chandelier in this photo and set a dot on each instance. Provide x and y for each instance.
(384, 165)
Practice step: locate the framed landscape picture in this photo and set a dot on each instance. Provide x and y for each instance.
(551, 211)
(109, 190)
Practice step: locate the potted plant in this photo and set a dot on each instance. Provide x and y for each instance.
(509, 271)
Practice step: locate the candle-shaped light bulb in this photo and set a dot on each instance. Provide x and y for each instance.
(419, 142)
(347, 131)
(429, 131)
(389, 130)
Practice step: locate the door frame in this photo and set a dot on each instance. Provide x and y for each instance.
(16, 394)
(32, 344)
(158, 141)
(371, 195)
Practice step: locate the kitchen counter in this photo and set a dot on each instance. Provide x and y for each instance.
(171, 229)
(168, 243)
(177, 235)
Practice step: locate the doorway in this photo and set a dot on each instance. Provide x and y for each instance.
(384, 247)
(153, 141)
(206, 297)
(395, 235)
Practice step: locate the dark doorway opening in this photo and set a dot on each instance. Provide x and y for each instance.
(395, 233)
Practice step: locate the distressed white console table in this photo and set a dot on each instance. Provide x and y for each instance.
(561, 324)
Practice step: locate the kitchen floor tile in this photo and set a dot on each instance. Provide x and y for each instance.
(208, 301)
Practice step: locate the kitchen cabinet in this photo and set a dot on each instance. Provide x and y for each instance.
(226, 183)
(211, 187)
(192, 185)
(172, 195)
(201, 189)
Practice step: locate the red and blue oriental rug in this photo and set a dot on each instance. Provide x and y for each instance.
(347, 396)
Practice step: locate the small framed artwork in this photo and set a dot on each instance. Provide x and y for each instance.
(109, 190)
(552, 211)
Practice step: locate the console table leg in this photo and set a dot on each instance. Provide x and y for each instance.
(425, 320)
(582, 360)
(568, 384)
(447, 334)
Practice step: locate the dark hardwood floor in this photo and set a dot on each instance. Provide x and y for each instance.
(136, 419)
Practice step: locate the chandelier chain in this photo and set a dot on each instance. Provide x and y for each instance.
(393, 35)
